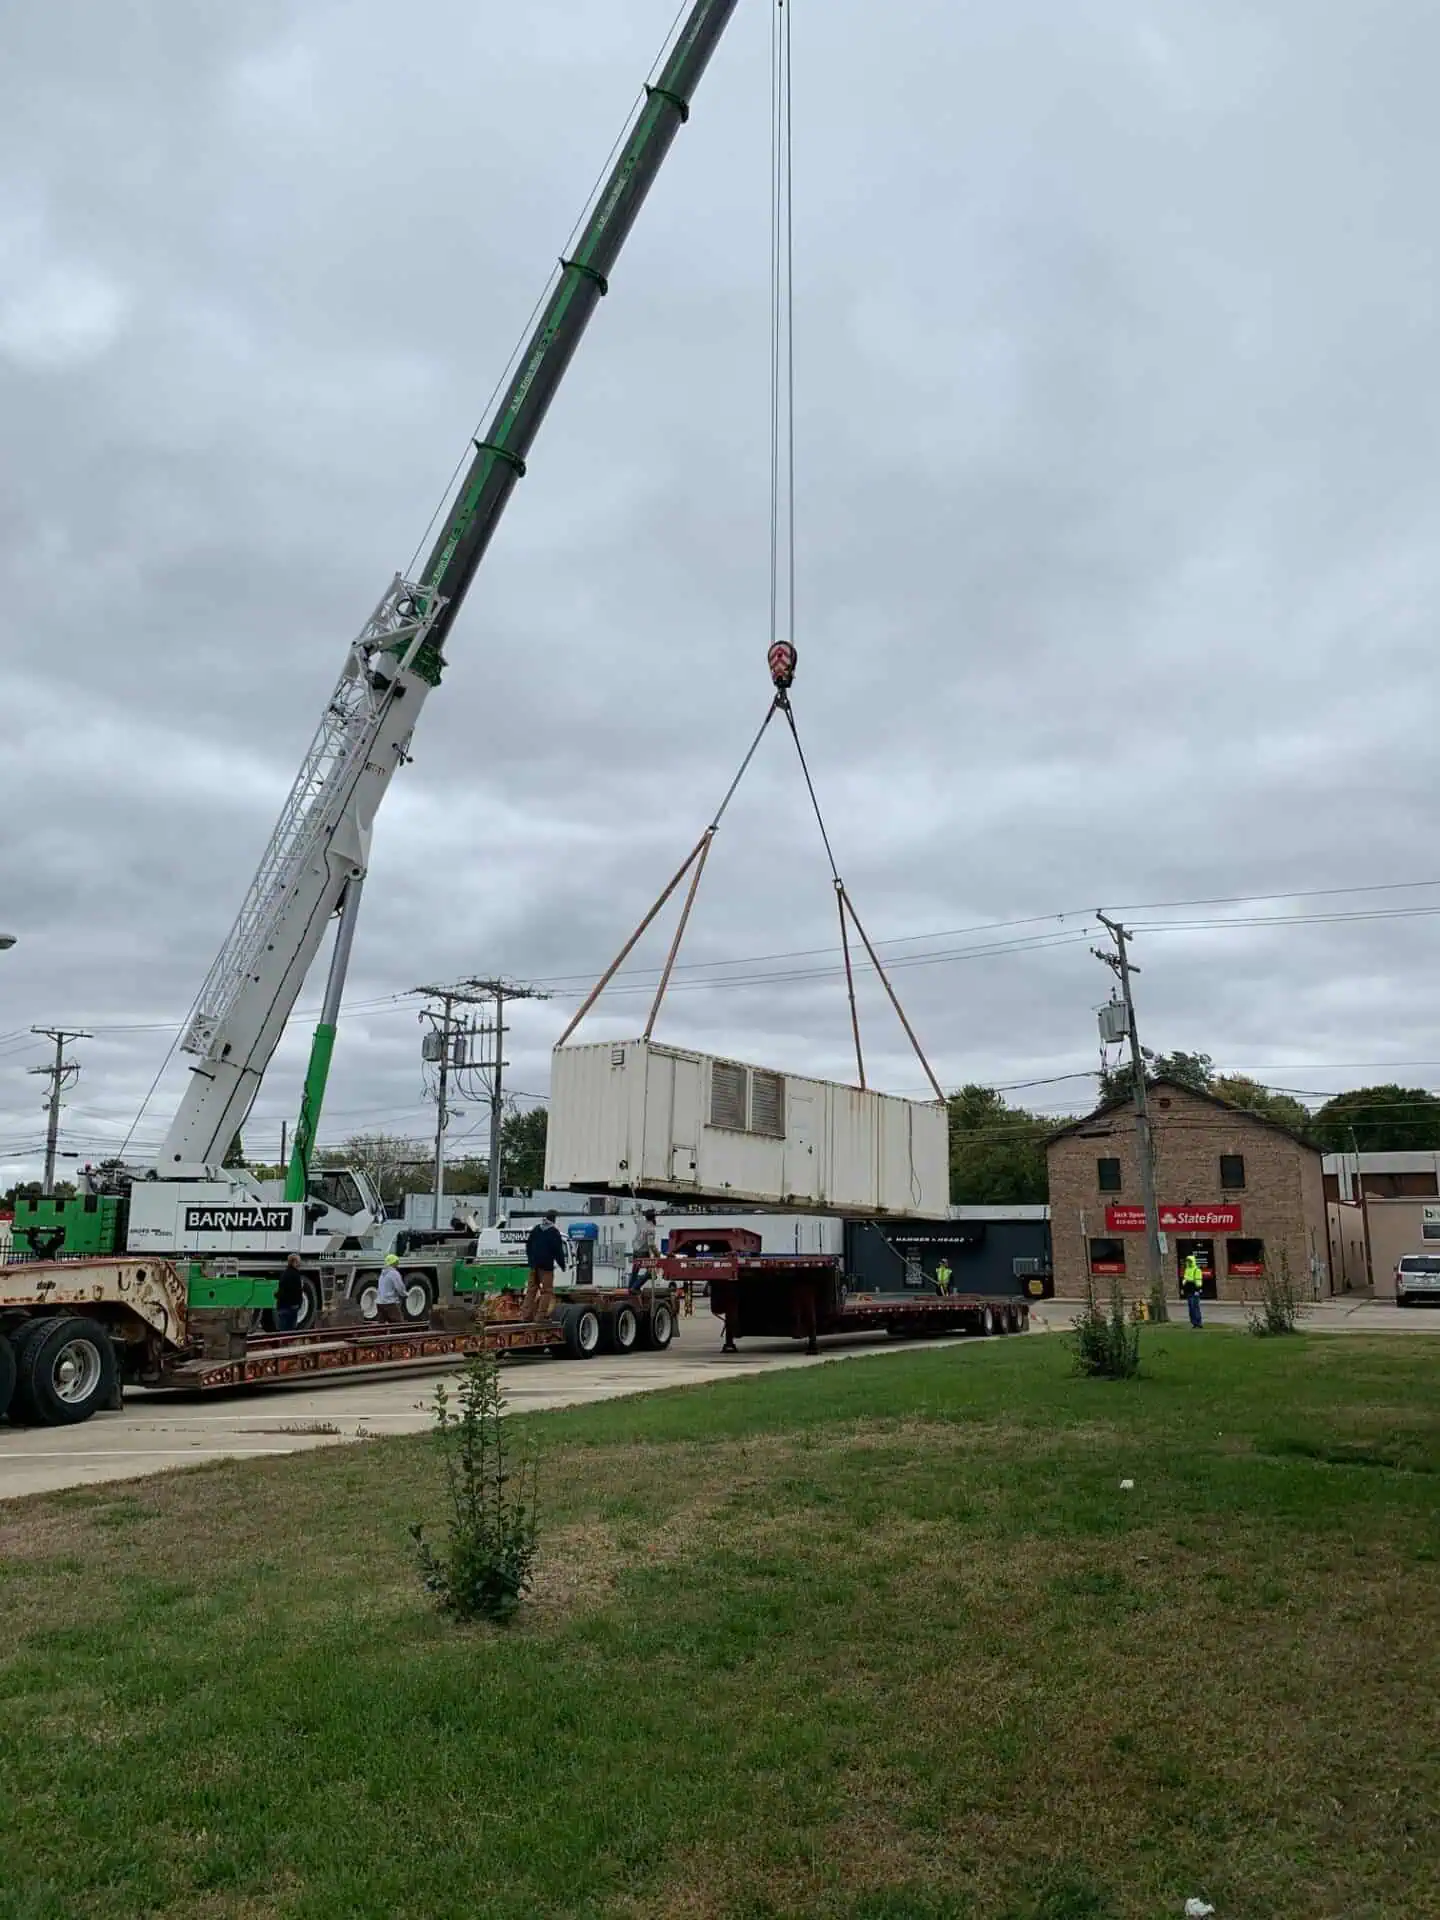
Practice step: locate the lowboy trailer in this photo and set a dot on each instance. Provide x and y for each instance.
(74, 1334)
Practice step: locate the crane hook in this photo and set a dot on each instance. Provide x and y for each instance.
(782, 659)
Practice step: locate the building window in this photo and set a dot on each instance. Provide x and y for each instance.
(1107, 1256)
(1232, 1171)
(1109, 1171)
(1245, 1257)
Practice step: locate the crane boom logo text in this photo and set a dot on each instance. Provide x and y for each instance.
(238, 1219)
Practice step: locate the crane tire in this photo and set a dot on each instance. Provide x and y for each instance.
(7, 1375)
(420, 1296)
(65, 1370)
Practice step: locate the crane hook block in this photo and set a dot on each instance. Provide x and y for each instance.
(782, 659)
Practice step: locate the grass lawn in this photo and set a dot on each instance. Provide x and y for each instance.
(883, 1640)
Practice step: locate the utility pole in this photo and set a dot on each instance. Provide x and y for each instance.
(499, 991)
(446, 1048)
(1119, 964)
(439, 1047)
(62, 1073)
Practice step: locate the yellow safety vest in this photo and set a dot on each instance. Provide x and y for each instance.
(1194, 1275)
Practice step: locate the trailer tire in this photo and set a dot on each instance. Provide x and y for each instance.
(7, 1375)
(620, 1330)
(65, 1370)
(987, 1322)
(662, 1326)
(582, 1332)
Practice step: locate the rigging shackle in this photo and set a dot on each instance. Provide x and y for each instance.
(782, 659)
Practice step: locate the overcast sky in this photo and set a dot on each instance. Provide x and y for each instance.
(1118, 464)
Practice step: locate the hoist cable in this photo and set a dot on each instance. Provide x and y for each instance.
(782, 334)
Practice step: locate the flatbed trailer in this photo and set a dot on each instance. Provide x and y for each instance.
(806, 1296)
(74, 1334)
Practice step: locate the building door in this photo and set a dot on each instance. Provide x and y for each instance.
(1204, 1251)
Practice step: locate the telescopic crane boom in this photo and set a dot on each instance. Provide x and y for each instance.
(320, 849)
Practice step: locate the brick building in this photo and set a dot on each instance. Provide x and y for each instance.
(1234, 1187)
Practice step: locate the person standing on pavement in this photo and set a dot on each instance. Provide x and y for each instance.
(289, 1295)
(1192, 1281)
(544, 1252)
(390, 1294)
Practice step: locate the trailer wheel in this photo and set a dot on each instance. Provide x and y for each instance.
(662, 1325)
(7, 1375)
(582, 1332)
(621, 1330)
(1014, 1320)
(65, 1371)
(420, 1293)
(987, 1322)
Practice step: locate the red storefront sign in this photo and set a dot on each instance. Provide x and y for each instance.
(1175, 1219)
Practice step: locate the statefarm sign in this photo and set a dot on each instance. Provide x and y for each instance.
(1175, 1219)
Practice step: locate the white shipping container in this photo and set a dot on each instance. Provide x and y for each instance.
(629, 1116)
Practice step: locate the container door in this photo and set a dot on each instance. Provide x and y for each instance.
(802, 1173)
(685, 1124)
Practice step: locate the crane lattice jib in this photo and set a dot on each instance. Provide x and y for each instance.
(316, 801)
(500, 454)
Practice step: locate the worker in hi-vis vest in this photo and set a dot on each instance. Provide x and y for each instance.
(1192, 1280)
(942, 1277)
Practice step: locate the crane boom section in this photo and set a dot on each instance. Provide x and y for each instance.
(321, 843)
(500, 453)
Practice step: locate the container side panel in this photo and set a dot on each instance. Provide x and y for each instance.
(803, 1141)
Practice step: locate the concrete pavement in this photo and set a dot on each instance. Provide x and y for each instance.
(162, 1430)
(1349, 1314)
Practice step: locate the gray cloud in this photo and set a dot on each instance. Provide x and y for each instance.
(1116, 536)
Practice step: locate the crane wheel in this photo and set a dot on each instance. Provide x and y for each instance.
(420, 1296)
(621, 1331)
(7, 1375)
(65, 1370)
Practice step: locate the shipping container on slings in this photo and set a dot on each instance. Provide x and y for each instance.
(631, 1117)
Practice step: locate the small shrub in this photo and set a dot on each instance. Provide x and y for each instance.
(1107, 1344)
(1279, 1307)
(485, 1569)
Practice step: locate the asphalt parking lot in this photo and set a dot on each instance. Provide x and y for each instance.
(157, 1431)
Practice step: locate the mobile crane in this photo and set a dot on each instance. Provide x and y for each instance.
(312, 872)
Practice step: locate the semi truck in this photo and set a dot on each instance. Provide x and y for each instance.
(188, 1237)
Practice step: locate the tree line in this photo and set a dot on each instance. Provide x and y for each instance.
(997, 1152)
